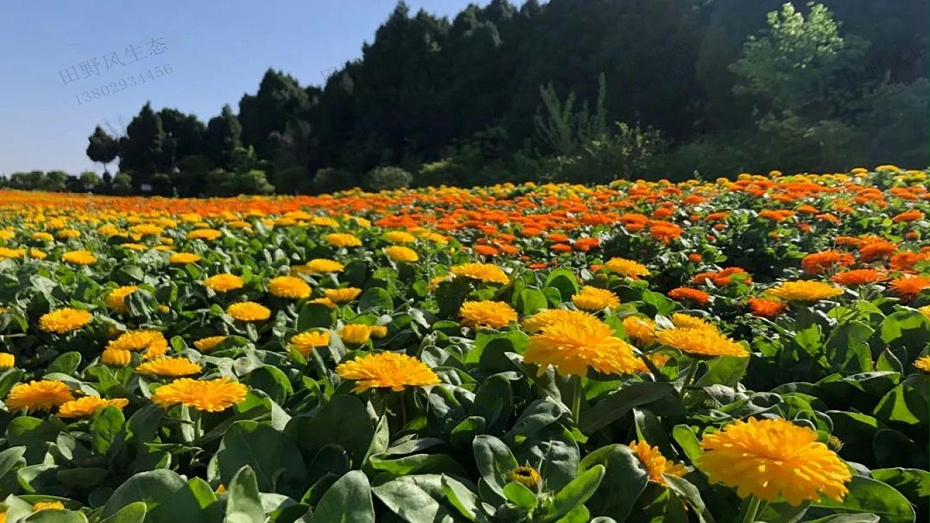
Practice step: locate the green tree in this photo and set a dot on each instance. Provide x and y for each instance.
(89, 180)
(279, 101)
(222, 138)
(563, 130)
(102, 148)
(142, 150)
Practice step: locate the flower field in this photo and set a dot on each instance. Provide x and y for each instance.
(748, 350)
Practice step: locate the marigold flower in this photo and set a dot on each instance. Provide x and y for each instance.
(487, 314)
(685, 293)
(7, 360)
(209, 343)
(355, 333)
(337, 239)
(773, 458)
(204, 234)
(79, 257)
(183, 258)
(526, 476)
(88, 405)
(686, 321)
(820, 262)
(628, 268)
(400, 253)
(804, 291)
(38, 395)
(701, 342)
(484, 272)
(223, 283)
(204, 395)
(152, 342)
(378, 331)
(766, 308)
(322, 265)
(116, 299)
(859, 277)
(655, 463)
(65, 320)
(248, 311)
(923, 363)
(343, 295)
(290, 287)
(643, 330)
(309, 340)
(172, 367)
(387, 370)
(595, 299)
(909, 286)
(574, 346)
(400, 237)
(549, 316)
(47, 505)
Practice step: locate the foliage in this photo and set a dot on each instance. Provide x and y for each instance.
(386, 179)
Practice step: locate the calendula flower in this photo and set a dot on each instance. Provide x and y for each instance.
(859, 277)
(344, 295)
(484, 272)
(766, 308)
(152, 342)
(223, 282)
(400, 237)
(79, 257)
(387, 370)
(643, 330)
(324, 301)
(686, 321)
(204, 234)
(549, 316)
(685, 293)
(322, 265)
(378, 331)
(38, 395)
(170, 367)
(115, 357)
(42, 237)
(116, 299)
(574, 346)
(701, 342)
(248, 311)
(628, 268)
(655, 463)
(209, 343)
(88, 405)
(489, 314)
(204, 395)
(305, 342)
(400, 253)
(595, 299)
(7, 361)
(824, 261)
(355, 333)
(923, 363)
(290, 287)
(48, 505)
(337, 239)
(65, 320)
(183, 258)
(909, 286)
(526, 476)
(804, 291)
(772, 459)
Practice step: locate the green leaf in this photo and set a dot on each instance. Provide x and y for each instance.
(494, 459)
(154, 488)
(243, 502)
(913, 483)
(105, 426)
(618, 404)
(272, 381)
(906, 403)
(131, 513)
(725, 370)
(530, 301)
(56, 516)
(376, 298)
(623, 482)
(573, 494)
(247, 443)
(415, 498)
(67, 363)
(347, 500)
(847, 348)
(343, 422)
(520, 495)
(848, 518)
(11, 460)
(494, 402)
(872, 496)
(564, 281)
(462, 498)
(315, 315)
(688, 442)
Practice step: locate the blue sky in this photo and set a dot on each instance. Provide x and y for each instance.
(217, 51)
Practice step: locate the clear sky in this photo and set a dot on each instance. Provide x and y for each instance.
(216, 51)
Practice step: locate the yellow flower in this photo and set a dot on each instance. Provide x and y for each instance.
(323, 301)
(48, 505)
(7, 360)
(491, 314)
(42, 237)
(686, 321)
(289, 287)
(66, 234)
(594, 299)
(701, 342)
(549, 316)
(643, 330)
(133, 246)
(223, 283)
(37, 254)
(146, 229)
(115, 357)
(400, 237)
(116, 299)
(172, 367)
(400, 253)
(38, 395)
(626, 267)
(309, 340)
(573, 345)
(772, 458)
(355, 333)
(378, 331)
(64, 320)
(204, 234)
(152, 342)
(655, 463)
(342, 295)
(183, 258)
(804, 291)
(209, 343)
(79, 257)
(88, 405)
(337, 239)
(526, 476)
(485, 272)
(248, 311)
(387, 370)
(322, 265)
(207, 395)
(925, 310)
(923, 363)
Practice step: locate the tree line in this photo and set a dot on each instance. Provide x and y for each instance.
(570, 90)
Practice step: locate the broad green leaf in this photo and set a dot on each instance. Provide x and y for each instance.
(348, 500)
(874, 497)
(415, 498)
(247, 443)
(243, 502)
(343, 422)
(574, 494)
(618, 404)
(131, 513)
(494, 459)
(520, 495)
(624, 480)
(375, 298)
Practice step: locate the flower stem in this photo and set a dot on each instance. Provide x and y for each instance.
(692, 375)
(577, 391)
(748, 510)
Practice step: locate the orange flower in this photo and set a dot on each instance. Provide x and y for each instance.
(875, 249)
(766, 308)
(908, 216)
(818, 262)
(909, 286)
(686, 293)
(860, 277)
